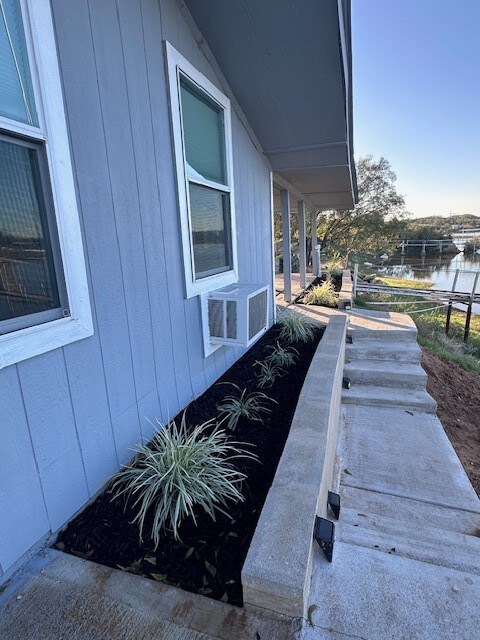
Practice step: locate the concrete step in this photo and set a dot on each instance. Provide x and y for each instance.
(425, 543)
(359, 503)
(403, 374)
(383, 351)
(375, 396)
(399, 335)
(377, 596)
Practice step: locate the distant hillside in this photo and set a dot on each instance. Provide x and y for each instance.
(444, 225)
(438, 227)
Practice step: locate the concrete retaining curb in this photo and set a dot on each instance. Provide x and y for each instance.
(277, 571)
(345, 294)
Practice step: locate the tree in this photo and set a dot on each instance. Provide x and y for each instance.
(378, 220)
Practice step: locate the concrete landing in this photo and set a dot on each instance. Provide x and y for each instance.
(73, 599)
(390, 451)
(380, 325)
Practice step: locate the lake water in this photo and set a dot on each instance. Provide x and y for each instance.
(440, 271)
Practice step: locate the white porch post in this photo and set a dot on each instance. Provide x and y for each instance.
(315, 261)
(286, 246)
(301, 243)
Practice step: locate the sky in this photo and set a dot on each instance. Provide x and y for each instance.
(416, 98)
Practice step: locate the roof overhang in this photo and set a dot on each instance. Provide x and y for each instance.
(288, 65)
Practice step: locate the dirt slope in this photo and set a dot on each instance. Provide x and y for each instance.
(457, 393)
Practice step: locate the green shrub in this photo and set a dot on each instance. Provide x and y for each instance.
(178, 471)
(334, 265)
(295, 327)
(282, 356)
(245, 405)
(268, 373)
(323, 294)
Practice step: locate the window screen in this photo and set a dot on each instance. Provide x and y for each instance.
(204, 134)
(16, 93)
(203, 131)
(32, 286)
(210, 214)
(28, 284)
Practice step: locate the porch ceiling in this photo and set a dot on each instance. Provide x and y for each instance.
(289, 67)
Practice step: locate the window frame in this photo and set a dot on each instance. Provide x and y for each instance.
(52, 133)
(178, 65)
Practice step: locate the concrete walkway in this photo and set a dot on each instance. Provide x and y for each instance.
(407, 558)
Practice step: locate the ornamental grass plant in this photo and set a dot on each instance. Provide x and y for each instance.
(243, 405)
(180, 470)
(295, 327)
(334, 265)
(267, 373)
(282, 356)
(321, 294)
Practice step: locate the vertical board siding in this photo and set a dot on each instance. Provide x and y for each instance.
(94, 196)
(70, 417)
(121, 163)
(171, 245)
(53, 431)
(23, 516)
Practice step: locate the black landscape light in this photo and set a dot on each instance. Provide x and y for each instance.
(333, 502)
(346, 383)
(349, 339)
(324, 534)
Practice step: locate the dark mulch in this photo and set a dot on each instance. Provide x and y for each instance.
(209, 558)
(336, 280)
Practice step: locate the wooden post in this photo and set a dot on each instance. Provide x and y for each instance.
(355, 278)
(469, 310)
(403, 248)
(286, 246)
(302, 243)
(449, 310)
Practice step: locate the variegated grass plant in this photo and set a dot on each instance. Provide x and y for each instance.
(267, 374)
(295, 327)
(322, 294)
(243, 405)
(334, 265)
(282, 356)
(179, 470)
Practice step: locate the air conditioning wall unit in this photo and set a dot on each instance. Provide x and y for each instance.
(237, 315)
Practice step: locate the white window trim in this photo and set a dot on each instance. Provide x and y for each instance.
(176, 63)
(32, 341)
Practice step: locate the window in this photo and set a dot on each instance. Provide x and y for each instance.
(40, 240)
(203, 155)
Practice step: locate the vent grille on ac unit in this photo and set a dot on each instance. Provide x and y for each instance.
(216, 310)
(232, 319)
(257, 313)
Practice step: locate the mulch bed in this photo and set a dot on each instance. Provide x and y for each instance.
(210, 556)
(336, 280)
